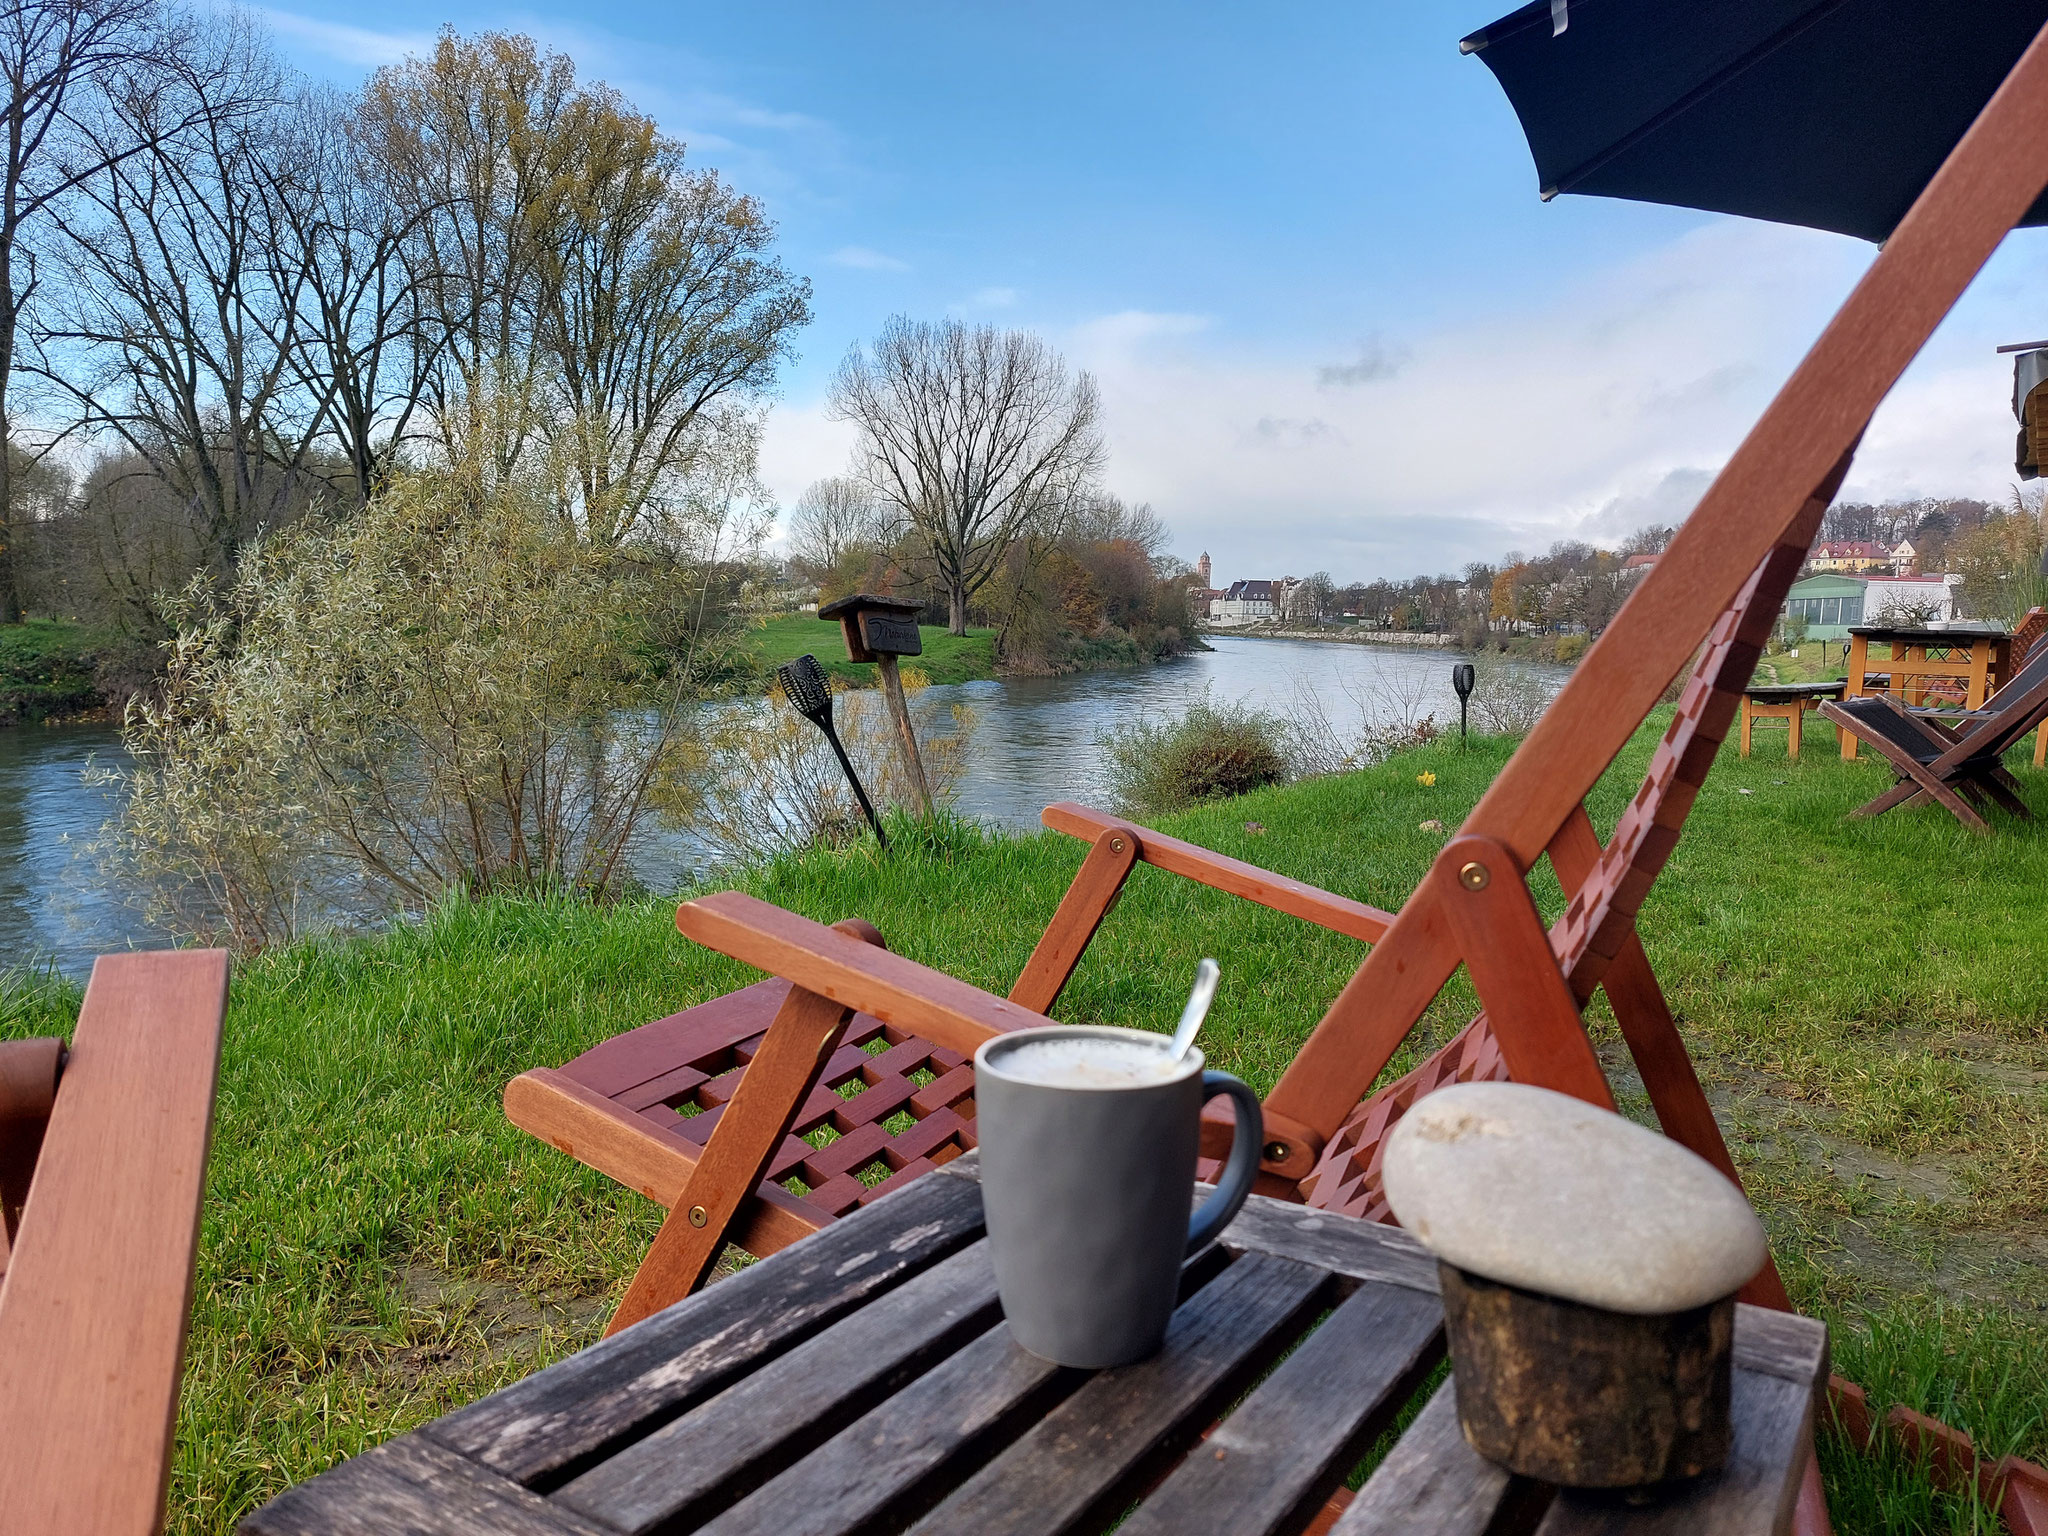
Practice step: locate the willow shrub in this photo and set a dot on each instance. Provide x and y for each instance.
(452, 689)
(1208, 753)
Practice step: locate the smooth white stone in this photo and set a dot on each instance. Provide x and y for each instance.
(1544, 1191)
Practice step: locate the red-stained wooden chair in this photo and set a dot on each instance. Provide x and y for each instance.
(643, 1106)
(102, 1163)
(1720, 582)
(687, 1107)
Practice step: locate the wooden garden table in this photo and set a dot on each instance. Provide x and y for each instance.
(1976, 658)
(862, 1380)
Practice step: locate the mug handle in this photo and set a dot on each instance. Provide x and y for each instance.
(1243, 1167)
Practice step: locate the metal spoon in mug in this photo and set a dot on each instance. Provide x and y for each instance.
(1197, 1009)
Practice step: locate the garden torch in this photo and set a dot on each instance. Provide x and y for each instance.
(803, 684)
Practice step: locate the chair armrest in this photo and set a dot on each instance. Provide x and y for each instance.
(899, 992)
(1340, 914)
(93, 1316)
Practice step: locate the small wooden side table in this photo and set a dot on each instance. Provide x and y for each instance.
(863, 1380)
(1790, 702)
(1978, 659)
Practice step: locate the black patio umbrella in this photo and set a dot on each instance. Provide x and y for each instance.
(1827, 113)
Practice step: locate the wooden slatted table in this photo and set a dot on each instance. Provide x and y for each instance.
(862, 1380)
(1975, 660)
(1789, 702)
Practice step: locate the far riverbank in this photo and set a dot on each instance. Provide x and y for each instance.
(1354, 634)
(1558, 650)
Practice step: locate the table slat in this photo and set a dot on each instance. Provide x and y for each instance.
(875, 1473)
(555, 1421)
(1780, 1344)
(412, 1487)
(1358, 1250)
(1433, 1481)
(1079, 1465)
(1755, 1492)
(1287, 1447)
(728, 1445)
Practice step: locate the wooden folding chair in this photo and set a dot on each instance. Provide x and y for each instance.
(1723, 578)
(643, 1105)
(102, 1164)
(1744, 542)
(1952, 757)
(706, 1110)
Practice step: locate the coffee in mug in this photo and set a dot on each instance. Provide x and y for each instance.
(1089, 1137)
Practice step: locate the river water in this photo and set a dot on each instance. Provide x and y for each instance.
(1033, 741)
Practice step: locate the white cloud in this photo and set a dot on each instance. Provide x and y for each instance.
(863, 259)
(989, 298)
(1605, 407)
(1118, 335)
(346, 44)
(799, 445)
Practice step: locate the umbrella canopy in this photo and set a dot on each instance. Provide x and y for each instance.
(1827, 113)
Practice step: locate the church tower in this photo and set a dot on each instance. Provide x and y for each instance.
(1202, 570)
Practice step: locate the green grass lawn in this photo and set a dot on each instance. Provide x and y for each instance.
(1866, 1001)
(46, 669)
(946, 659)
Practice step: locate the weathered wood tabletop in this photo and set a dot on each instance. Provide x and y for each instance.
(862, 1380)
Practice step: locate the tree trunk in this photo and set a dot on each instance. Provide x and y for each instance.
(10, 548)
(956, 607)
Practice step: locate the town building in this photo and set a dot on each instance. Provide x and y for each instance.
(1245, 602)
(1864, 556)
(1830, 602)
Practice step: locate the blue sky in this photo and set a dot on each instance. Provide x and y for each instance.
(1299, 246)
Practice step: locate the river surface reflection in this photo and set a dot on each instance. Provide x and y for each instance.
(1034, 741)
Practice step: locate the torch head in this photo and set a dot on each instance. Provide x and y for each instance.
(803, 684)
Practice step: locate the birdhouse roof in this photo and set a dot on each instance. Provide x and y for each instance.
(867, 602)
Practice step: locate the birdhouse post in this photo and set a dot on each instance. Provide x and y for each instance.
(879, 629)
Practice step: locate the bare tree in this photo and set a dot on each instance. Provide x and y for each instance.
(833, 518)
(182, 306)
(560, 251)
(63, 62)
(659, 308)
(469, 141)
(974, 435)
(362, 349)
(1106, 518)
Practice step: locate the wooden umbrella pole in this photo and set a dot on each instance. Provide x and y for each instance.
(892, 689)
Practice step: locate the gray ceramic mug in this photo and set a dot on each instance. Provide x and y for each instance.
(1086, 1193)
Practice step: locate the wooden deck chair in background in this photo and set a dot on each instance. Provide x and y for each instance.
(1738, 551)
(102, 1164)
(1954, 758)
